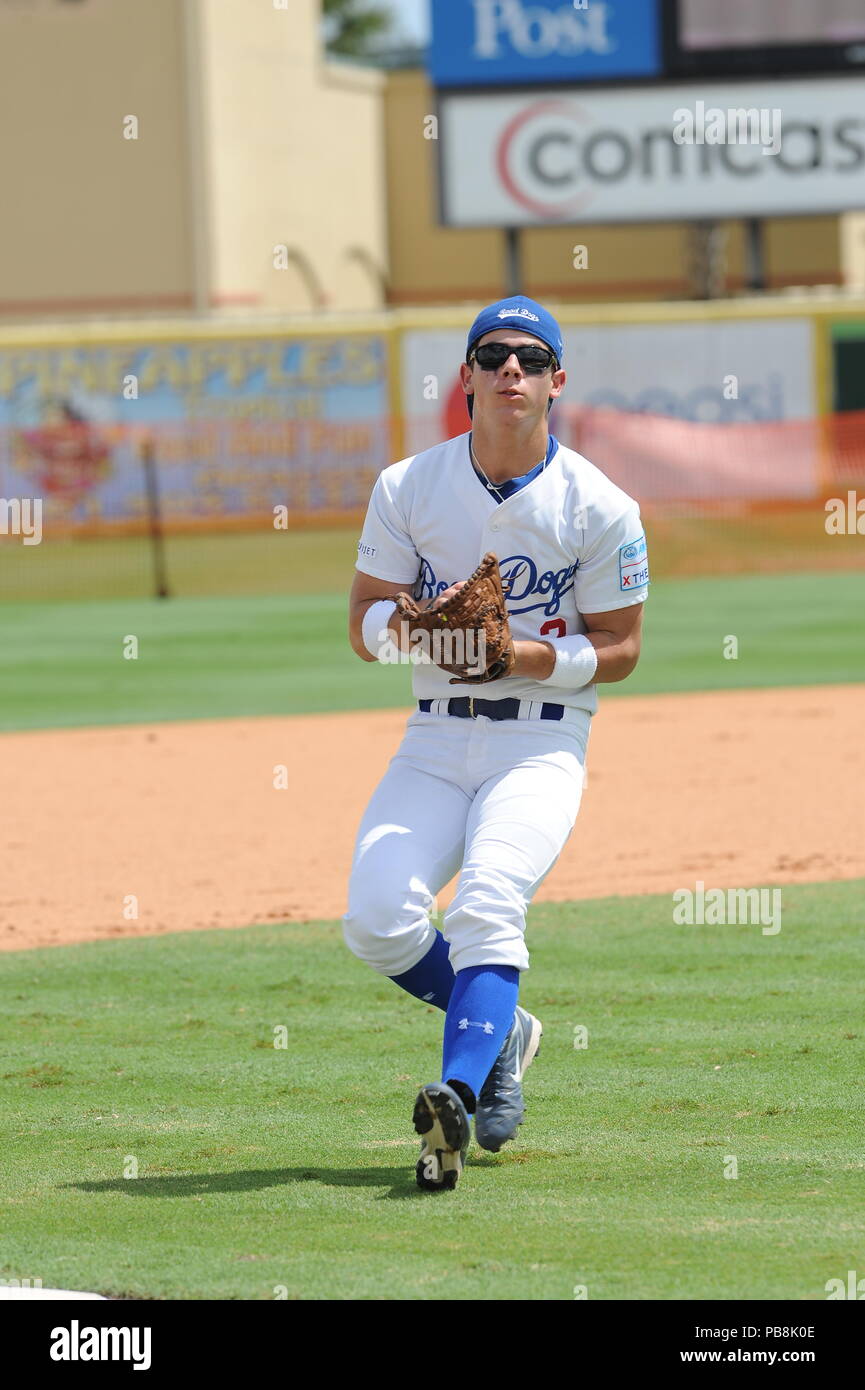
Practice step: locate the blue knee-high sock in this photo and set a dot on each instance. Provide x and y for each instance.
(479, 1015)
(432, 979)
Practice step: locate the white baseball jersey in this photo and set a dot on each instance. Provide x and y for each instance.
(569, 542)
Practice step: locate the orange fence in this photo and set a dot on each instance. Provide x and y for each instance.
(844, 441)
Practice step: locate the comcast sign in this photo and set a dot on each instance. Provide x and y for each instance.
(655, 153)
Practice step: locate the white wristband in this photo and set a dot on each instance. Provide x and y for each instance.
(375, 621)
(576, 662)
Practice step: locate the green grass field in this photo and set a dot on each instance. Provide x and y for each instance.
(201, 564)
(264, 1169)
(62, 664)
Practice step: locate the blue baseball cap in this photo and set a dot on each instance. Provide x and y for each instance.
(518, 312)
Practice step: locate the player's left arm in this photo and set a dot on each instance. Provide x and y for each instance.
(616, 637)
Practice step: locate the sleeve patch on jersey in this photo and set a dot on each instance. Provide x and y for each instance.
(367, 550)
(633, 564)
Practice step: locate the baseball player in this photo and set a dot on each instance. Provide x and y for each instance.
(487, 780)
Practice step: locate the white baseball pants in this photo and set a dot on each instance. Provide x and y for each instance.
(499, 798)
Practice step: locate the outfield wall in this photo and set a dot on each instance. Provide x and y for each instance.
(704, 405)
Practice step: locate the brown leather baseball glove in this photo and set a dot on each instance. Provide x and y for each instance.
(469, 633)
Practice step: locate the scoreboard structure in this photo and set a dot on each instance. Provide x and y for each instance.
(703, 38)
(610, 111)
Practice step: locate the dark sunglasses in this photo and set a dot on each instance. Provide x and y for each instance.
(533, 360)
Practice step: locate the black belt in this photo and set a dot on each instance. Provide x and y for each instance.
(470, 708)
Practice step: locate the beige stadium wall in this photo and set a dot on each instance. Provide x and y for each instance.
(93, 223)
(431, 264)
(293, 157)
(247, 139)
(853, 249)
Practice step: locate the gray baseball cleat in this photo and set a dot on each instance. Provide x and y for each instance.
(442, 1119)
(500, 1107)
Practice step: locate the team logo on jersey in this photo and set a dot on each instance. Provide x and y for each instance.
(633, 564)
(521, 580)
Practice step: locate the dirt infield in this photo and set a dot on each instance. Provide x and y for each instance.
(744, 789)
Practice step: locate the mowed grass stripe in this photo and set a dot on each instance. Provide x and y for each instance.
(63, 664)
(313, 560)
(264, 1168)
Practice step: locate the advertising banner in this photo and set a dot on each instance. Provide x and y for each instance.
(237, 426)
(715, 381)
(637, 154)
(477, 43)
(711, 373)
